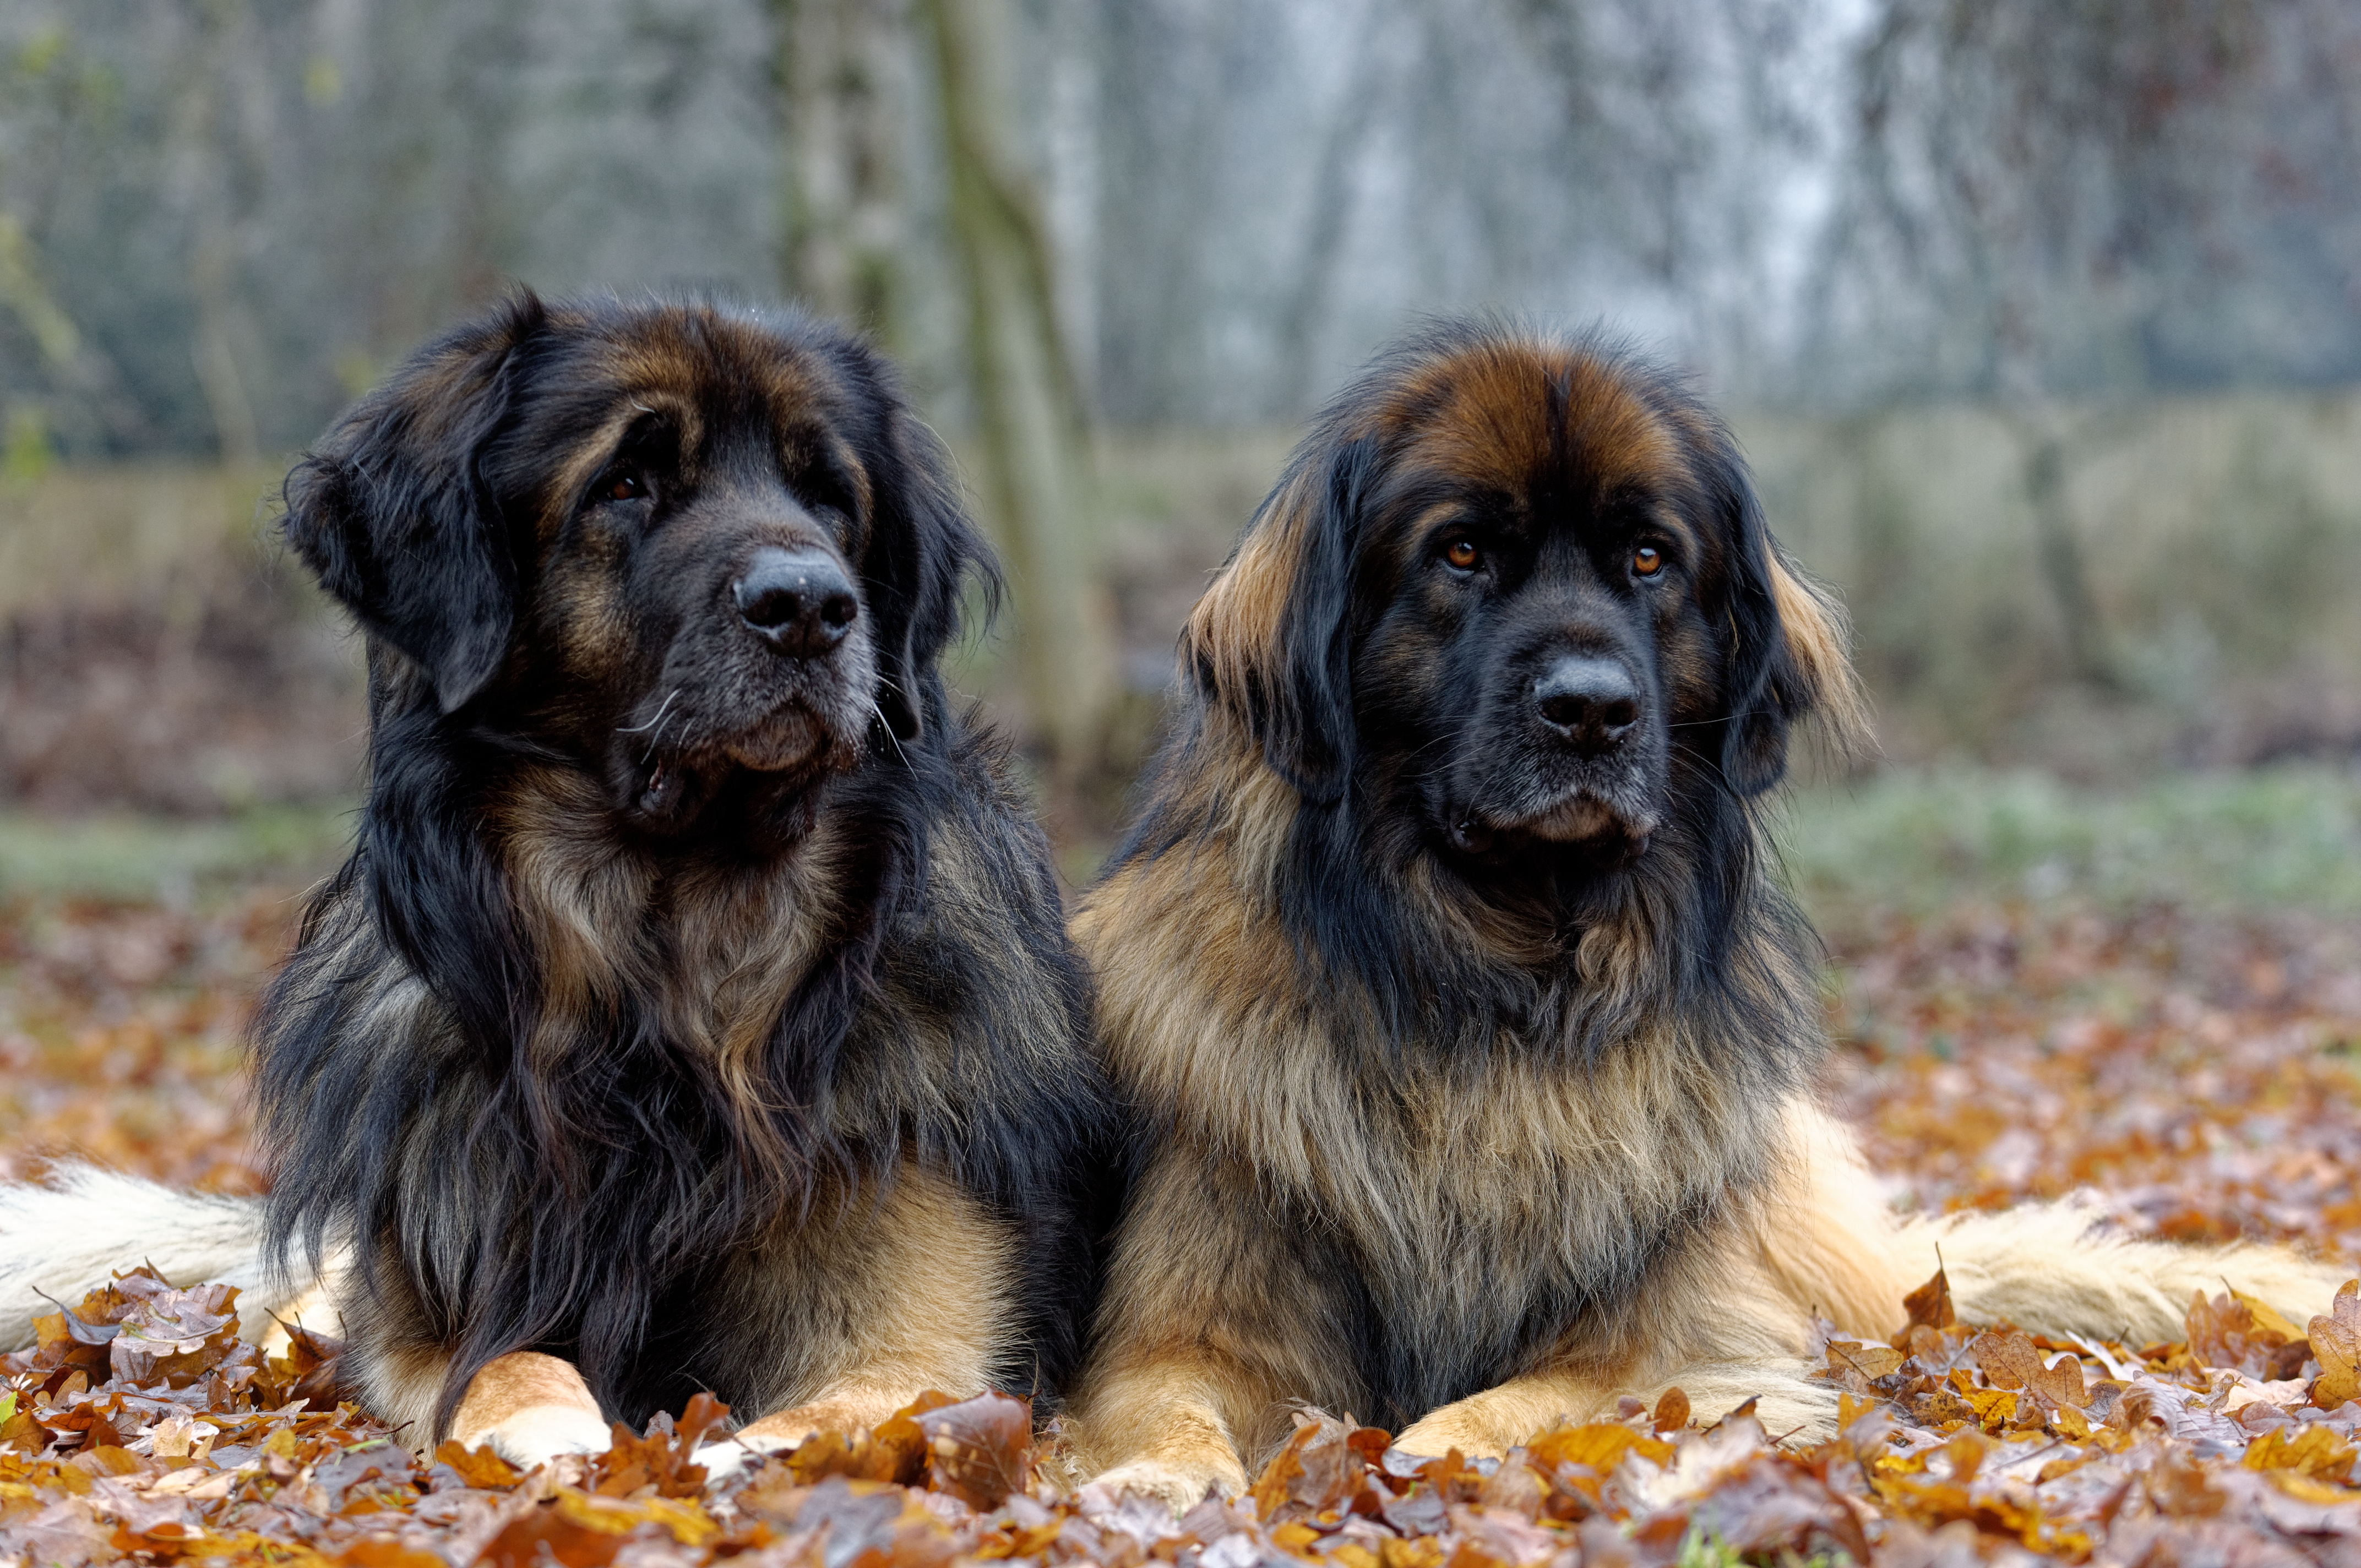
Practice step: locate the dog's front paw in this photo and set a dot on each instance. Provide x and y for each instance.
(531, 1438)
(782, 1431)
(1437, 1432)
(724, 1457)
(1178, 1487)
(529, 1409)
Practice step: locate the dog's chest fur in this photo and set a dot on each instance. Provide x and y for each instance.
(1492, 1205)
(1517, 1210)
(710, 953)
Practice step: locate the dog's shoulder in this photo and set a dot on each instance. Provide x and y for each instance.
(984, 907)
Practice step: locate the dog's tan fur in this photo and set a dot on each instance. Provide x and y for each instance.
(889, 1302)
(1305, 1181)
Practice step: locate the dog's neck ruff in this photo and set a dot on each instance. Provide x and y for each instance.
(1439, 969)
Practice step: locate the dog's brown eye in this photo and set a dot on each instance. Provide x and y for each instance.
(1647, 561)
(624, 487)
(1463, 555)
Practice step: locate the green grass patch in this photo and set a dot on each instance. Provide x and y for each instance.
(132, 857)
(2271, 840)
(2276, 838)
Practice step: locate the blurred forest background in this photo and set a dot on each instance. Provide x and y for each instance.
(2040, 320)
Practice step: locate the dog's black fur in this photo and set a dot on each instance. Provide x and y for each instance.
(499, 1063)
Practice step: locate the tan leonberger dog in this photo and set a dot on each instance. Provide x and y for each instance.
(695, 1012)
(1475, 1040)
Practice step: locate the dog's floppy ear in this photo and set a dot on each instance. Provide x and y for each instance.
(392, 514)
(1790, 652)
(922, 547)
(1271, 641)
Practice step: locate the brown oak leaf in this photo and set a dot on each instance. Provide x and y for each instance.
(2336, 1342)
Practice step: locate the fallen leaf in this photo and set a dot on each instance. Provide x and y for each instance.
(478, 1466)
(979, 1450)
(2336, 1342)
(1929, 1307)
(2314, 1451)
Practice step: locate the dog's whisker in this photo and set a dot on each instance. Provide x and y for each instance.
(888, 725)
(654, 740)
(1726, 718)
(651, 724)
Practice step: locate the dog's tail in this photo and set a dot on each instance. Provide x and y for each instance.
(2052, 1268)
(64, 1238)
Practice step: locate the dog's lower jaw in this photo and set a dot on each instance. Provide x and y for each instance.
(1612, 831)
(661, 791)
(666, 798)
(829, 749)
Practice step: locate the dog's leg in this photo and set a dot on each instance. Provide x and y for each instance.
(526, 1406)
(1720, 1328)
(1179, 1417)
(1733, 1323)
(1491, 1423)
(528, 1409)
(916, 1296)
(1823, 1241)
(1215, 1315)
(851, 1405)
(1788, 1403)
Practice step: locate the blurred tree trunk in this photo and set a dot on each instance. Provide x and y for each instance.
(1029, 421)
(25, 421)
(841, 65)
(2053, 448)
(1330, 217)
(2061, 551)
(208, 149)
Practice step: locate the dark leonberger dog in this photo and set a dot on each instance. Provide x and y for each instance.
(694, 1010)
(1475, 1043)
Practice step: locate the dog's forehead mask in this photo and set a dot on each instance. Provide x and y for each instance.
(730, 400)
(1535, 437)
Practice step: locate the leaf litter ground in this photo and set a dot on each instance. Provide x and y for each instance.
(2196, 1076)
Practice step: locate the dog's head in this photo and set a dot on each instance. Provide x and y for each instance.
(676, 543)
(1517, 591)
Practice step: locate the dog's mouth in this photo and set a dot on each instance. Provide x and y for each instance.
(793, 740)
(1582, 819)
(664, 785)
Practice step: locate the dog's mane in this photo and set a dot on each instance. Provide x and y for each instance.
(1434, 964)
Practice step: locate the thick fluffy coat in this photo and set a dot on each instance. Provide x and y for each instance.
(694, 1010)
(1475, 1043)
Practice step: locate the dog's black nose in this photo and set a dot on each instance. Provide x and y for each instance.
(798, 601)
(1592, 702)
